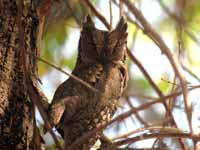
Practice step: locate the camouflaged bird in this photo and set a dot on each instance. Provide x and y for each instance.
(76, 109)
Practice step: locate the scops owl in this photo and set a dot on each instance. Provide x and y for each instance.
(76, 109)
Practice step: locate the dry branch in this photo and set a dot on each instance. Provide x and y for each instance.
(165, 50)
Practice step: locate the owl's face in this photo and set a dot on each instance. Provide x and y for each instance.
(97, 46)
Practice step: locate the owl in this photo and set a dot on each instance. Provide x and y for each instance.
(76, 109)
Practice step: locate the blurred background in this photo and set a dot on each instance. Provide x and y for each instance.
(176, 21)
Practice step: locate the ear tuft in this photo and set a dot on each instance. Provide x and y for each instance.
(88, 23)
(122, 25)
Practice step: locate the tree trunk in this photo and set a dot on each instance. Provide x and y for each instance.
(18, 25)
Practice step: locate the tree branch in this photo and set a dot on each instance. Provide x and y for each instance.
(165, 50)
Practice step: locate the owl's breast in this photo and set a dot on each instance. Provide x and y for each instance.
(111, 83)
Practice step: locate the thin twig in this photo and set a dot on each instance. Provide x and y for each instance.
(165, 50)
(136, 131)
(148, 77)
(190, 72)
(67, 4)
(121, 9)
(111, 15)
(68, 74)
(43, 11)
(136, 114)
(97, 13)
(192, 36)
(154, 135)
(178, 19)
(128, 17)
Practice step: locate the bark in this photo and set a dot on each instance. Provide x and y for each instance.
(18, 26)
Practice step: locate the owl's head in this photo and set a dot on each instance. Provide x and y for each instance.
(98, 46)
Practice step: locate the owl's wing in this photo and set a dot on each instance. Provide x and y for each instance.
(55, 112)
(66, 106)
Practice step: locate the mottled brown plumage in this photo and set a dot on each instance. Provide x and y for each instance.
(77, 109)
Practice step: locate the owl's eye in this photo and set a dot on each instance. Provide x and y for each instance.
(117, 40)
